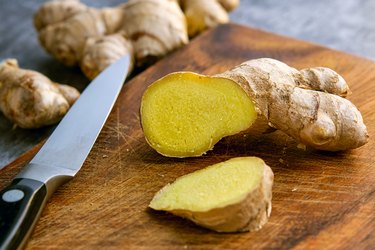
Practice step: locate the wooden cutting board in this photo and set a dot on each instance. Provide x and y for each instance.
(320, 200)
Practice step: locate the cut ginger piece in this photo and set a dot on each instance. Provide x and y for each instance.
(186, 114)
(231, 196)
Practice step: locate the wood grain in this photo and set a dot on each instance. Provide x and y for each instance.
(320, 200)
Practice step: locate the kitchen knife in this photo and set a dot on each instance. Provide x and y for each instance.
(60, 158)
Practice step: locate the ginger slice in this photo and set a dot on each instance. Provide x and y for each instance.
(185, 114)
(230, 196)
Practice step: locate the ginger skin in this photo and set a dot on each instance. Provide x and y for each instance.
(31, 100)
(304, 104)
(94, 38)
(201, 15)
(231, 196)
(307, 105)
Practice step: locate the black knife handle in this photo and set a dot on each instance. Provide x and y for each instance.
(21, 204)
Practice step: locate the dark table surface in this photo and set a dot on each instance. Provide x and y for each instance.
(343, 25)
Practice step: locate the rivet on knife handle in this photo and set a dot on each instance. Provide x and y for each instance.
(20, 206)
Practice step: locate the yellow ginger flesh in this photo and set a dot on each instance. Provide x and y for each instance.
(186, 114)
(218, 185)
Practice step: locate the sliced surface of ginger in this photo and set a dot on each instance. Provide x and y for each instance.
(230, 196)
(186, 114)
(180, 119)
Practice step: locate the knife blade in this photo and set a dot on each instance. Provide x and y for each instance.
(60, 158)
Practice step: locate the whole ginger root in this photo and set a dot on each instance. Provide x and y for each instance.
(94, 38)
(185, 114)
(31, 100)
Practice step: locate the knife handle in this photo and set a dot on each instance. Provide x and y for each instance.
(21, 204)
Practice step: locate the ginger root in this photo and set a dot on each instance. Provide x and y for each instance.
(145, 29)
(185, 114)
(31, 100)
(230, 196)
(201, 15)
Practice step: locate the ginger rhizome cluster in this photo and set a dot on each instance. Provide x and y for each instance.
(94, 38)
